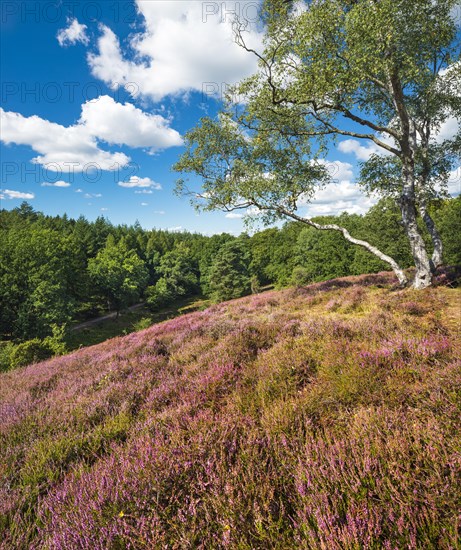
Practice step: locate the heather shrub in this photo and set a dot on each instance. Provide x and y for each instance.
(414, 308)
(361, 499)
(272, 421)
(216, 329)
(413, 302)
(287, 367)
(51, 457)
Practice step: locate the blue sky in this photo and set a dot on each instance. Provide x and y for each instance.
(96, 97)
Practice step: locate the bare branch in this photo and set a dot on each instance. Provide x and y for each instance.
(364, 244)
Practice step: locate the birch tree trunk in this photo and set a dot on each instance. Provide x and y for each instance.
(407, 200)
(423, 275)
(437, 255)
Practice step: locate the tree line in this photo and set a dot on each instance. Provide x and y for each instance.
(55, 270)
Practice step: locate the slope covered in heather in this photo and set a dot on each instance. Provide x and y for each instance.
(323, 417)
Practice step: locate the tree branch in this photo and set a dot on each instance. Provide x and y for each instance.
(364, 244)
(358, 135)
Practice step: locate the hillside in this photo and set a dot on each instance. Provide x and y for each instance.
(324, 417)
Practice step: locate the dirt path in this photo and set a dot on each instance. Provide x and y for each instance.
(112, 315)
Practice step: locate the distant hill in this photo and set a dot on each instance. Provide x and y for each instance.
(321, 417)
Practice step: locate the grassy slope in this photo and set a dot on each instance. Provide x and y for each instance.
(326, 417)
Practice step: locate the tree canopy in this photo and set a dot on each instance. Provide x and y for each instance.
(387, 73)
(119, 272)
(229, 275)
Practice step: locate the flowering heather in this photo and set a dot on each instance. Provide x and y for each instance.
(325, 417)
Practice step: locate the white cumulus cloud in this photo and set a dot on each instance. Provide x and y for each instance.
(136, 181)
(10, 194)
(454, 182)
(124, 124)
(360, 151)
(340, 195)
(448, 129)
(59, 147)
(184, 46)
(75, 32)
(344, 196)
(337, 170)
(73, 148)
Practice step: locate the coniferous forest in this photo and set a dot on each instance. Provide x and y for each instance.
(56, 270)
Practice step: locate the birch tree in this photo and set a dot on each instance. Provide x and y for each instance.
(384, 72)
(269, 174)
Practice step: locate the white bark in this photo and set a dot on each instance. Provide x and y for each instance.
(437, 255)
(408, 145)
(423, 275)
(402, 278)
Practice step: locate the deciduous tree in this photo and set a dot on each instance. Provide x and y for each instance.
(384, 72)
(119, 273)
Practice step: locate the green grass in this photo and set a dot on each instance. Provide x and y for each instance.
(131, 321)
